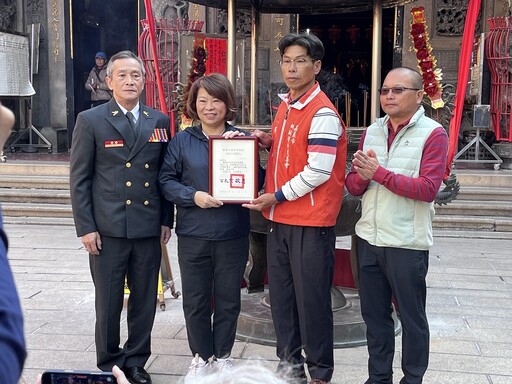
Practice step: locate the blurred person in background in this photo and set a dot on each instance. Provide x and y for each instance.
(96, 84)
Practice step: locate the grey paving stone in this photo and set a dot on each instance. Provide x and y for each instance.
(176, 365)
(432, 283)
(442, 377)
(450, 309)
(445, 321)
(455, 277)
(470, 364)
(255, 351)
(166, 331)
(495, 379)
(481, 288)
(472, 271)
(69, 324)
(471, 293)
(469, 307)
(166, 379)
(495, 323)
(47, 254)
(502, 265)
(54, 299)
(476, 302)
(37, 277)
(41, 359)
(62, 342)
(162, 347)
(354, 357)
(496, 349)
(454, 347)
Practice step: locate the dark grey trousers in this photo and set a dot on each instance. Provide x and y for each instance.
(384, 272)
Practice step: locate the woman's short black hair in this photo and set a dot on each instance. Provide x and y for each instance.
(218, 86)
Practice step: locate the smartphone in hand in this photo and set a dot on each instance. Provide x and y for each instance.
(55, 376)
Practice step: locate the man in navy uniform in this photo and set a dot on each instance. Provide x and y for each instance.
(119, 212)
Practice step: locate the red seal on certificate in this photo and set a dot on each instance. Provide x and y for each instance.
(237, 180)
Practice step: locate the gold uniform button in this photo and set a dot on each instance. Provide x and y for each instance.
(146, 184)
(128, 165)
(146, 166)
(128, 202)
(128, 183)
(146, 202)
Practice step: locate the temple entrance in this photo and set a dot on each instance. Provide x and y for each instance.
(346, 68)
(99, 25)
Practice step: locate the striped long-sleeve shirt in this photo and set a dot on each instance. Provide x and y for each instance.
(323, 138)
(306, 164)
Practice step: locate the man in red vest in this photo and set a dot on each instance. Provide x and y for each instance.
(302, 199)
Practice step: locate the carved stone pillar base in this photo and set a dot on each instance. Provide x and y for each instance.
(58, 137)
(255, 320)
(504, 151)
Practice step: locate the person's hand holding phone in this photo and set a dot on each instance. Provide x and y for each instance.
(56, 376)
(119, 375)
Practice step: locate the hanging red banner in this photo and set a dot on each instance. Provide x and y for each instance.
(217, 55)
(464, 61)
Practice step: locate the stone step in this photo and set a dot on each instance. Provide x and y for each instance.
(485, 193)
(47, 196)
(38, 193)
(34, 181)
(472, 234)
(474, 223)
(484, 178)
(36, 210)
(476, 208)
(34, 168)
(39, 220)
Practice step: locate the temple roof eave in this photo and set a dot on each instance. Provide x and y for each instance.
(303, 6)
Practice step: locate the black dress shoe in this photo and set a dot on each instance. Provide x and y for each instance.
(137, 375)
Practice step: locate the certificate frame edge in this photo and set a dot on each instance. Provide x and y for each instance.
(213, 138)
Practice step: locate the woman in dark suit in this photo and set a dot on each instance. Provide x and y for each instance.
(213, 240)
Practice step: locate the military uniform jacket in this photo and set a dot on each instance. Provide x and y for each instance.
(113, 175)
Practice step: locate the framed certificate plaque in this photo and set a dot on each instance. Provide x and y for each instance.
(233, 168)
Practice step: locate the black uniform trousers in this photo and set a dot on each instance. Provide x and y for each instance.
(211, 277)
(384, 272)
(300, 271)
(139, 261)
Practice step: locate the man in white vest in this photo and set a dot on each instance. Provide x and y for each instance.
(397, 170)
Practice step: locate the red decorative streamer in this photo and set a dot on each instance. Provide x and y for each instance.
(432, 76)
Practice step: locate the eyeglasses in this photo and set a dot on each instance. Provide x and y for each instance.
(396, 90)
(300, 62)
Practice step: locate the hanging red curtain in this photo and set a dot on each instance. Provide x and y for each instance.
(464, 61)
